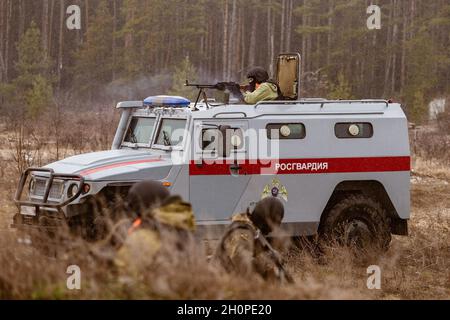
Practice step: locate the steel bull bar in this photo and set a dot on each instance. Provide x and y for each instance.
(44, 203)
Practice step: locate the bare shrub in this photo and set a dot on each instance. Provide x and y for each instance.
(26, 147)
(443, 118)
(431, 145)
(87, 131)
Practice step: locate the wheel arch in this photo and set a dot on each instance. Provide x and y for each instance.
(370, 188)
(105, 196)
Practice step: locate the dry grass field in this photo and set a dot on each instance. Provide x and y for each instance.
(415, 267)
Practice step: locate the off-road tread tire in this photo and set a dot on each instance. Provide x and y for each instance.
(365, 209)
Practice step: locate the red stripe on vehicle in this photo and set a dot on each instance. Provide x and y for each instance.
(304, 166)
(116, 165)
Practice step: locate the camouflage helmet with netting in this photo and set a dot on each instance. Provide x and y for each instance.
(146, 195)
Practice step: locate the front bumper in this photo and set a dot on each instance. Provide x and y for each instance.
(45, 204)
(43, 222)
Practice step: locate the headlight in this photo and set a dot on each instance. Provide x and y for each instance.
(72, 190)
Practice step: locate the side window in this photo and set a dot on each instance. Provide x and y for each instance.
(171, 132)
(215, 142)
(353, 130)
(210, 142)
(286, 131)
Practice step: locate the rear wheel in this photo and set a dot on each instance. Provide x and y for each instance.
(358, 221)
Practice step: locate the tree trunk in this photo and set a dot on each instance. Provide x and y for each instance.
(289, 25)
(309, 46)
(2, 37)
(22, 15)
(232, 42)
(373, 64)
(243, 46)
(394, 51)
(86, 6)
(387, 67)
(330, 30)
(252, 46)
(283, 24)
(8, 36)
(209, 49)
(403, 60)
(114, 44)
(304, 41)
(271, 36)
(269, 28)
(412, 20)
(44, 32)
(225, 42)
(50, 35)
(217, 50)
(60, 41)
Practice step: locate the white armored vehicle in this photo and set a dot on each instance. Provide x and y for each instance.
(334, 164)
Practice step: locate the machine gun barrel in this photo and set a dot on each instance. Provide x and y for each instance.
(201, 86)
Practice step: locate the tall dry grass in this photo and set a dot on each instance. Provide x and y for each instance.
(415, 267)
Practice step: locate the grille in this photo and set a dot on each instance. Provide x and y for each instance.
(56, 191)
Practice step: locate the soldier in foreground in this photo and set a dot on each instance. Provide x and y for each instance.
(163, 228)
(244, 248)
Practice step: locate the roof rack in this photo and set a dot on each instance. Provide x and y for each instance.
(320, 101)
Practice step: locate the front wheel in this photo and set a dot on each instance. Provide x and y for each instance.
(358, 221)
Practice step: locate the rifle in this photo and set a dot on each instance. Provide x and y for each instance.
(276, 257)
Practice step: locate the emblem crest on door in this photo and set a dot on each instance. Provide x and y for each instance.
(275, 189)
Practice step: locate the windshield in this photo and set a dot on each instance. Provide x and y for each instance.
(171, 132)
(140, 130)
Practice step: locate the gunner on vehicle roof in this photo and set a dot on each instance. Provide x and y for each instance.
(260, 88)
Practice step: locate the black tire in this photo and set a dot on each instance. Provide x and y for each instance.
(360, 221)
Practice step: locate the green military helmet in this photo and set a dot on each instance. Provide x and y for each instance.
(258, 74)
(174, 212)
(145, 196)
(267, 215)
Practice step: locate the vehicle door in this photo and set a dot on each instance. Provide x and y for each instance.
(217, 171)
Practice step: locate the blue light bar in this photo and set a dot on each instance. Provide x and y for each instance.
(170, 101)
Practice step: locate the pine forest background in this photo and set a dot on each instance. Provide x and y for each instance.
(130, 49)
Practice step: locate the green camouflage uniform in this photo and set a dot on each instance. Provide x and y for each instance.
(240, 251)
(266, 92)
(168, 230)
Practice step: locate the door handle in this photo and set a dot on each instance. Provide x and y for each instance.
(199, 165)
(236, 170)
(235, 167)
